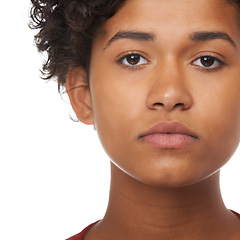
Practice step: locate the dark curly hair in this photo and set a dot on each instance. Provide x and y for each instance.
(67, 28)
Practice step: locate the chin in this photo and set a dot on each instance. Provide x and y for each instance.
(172, 178)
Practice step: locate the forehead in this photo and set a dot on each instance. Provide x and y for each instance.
(170, 17)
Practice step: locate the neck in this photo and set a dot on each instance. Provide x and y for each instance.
(140, 210)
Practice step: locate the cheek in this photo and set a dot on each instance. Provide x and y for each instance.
(119, 99)
(116, 108)
(221, 118)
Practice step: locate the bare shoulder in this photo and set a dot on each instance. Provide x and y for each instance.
(237, 234)
(236, 228)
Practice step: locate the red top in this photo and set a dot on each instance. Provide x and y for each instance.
(81, 235)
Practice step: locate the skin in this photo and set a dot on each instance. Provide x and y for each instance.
(163, 193)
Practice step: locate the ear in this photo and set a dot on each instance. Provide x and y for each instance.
(79, 94)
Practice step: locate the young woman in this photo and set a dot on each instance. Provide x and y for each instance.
(160, 81)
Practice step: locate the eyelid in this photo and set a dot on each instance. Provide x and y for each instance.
(121, 56)
(218, 57)
(124, 54)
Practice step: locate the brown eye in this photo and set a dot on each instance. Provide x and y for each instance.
(207, 61)
(133, 59)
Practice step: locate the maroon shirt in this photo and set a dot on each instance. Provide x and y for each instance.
(81, 235)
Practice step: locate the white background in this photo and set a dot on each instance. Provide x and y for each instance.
(54, 175)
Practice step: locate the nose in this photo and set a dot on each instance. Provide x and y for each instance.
(169, 91)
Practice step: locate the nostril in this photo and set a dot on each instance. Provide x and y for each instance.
(179, 104)
(182, 106)
(158, 104)
(169, 106)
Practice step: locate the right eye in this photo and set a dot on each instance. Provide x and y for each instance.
(133, 60)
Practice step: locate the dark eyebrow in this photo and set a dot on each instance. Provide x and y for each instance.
(139, 36)
(205, 36)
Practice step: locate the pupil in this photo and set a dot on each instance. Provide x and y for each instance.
(207, 61)
(133, 59)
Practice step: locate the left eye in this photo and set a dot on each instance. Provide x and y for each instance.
(133, 60)
(208, 62)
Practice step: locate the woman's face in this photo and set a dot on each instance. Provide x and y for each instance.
(165, 88)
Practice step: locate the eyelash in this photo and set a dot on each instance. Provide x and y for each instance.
(121, 59)
(124, 57)
(220, 63)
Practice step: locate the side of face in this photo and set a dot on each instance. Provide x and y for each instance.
(173, 73)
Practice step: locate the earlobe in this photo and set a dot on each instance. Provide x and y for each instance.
(79, 94)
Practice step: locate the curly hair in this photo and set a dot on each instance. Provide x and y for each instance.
(67, 29)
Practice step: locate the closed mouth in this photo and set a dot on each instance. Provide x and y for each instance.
(169, 128)
(169, 135)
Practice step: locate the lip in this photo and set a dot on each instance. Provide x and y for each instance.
(169, 135)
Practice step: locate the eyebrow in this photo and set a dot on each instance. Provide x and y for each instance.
(196, 37)
(139, 36)
(205, 36)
